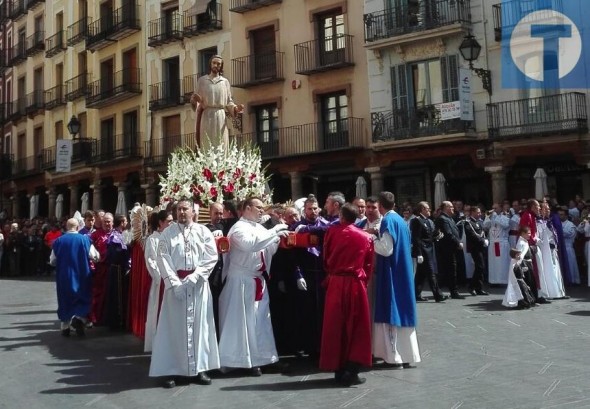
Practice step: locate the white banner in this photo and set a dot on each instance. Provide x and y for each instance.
(449, 110)
(465, 94)
(63, 155)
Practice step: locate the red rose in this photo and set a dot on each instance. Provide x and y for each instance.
(176, 188)
(229, 188)
(252, 177)
(237, 173)
(213, 191)
(221, 174)
(208, 174)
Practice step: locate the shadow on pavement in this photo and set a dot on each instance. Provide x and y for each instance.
(580, 313)
(488, 305)
(286, 386)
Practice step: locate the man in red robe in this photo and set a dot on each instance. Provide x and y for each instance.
(346, 334)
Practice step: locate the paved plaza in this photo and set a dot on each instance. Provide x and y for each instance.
(475, 354)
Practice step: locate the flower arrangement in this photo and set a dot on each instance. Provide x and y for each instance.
(215, 175)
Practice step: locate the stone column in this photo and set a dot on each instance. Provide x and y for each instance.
(296, 188)
(96, 195)
(74, 199)
(499, 192)
(376, 180)
(151, 197)
(52, 196)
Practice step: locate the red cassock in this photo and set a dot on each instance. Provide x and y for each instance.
(99, 278)
(139, 289)
(346, 333)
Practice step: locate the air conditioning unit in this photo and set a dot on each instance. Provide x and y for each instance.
(480, 153)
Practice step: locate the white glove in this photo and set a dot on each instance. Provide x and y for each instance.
(279, 227)
(264, 218)
(179, 292)
(301, 226)
(217, 233)
(420, 259)
(301, 284)
(486, 242)
(461, 246)
(281, 286)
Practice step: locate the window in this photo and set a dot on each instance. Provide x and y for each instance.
(264, 50)
(171, 90)
(204, 57)
(334, 121)
(267, 134)
(107, 138)
(331, 37)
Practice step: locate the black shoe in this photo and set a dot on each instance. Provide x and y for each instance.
(78, 326)
(481, 292)
(169, 383)
(407, 365)
(349, 379)
(203, 379)
(543, 300)
(472, 292)
(441, 298)
(421, 299)
(256, 371)
(391, 366)
(456, 296)
(338, 375)
(65, 332)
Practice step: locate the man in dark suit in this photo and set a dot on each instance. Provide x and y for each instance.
(448, 247)
(476, 244)
(423, 232)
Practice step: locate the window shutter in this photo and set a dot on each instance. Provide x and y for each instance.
(450, 77)
(399, 87)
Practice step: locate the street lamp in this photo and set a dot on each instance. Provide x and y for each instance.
(74, 126)
(470, 50)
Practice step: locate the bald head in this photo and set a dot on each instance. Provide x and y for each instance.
(72, 225)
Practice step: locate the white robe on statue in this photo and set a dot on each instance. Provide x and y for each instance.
(216, 100)
(246, 337)
(151, 255)
(584, 228)
(498, 226)
(513, 294)
(185, 342)
(569, 237)
(550, 274)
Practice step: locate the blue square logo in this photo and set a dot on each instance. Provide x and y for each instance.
(545, 43)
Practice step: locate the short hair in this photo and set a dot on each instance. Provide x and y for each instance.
(386, 200)
(310, 199)
(349, 212)
(514, 253)
(248, 201)
(524, 229)
(337, 197)
(421, 206)
(118, 220)
(530, 203)
(372, 199)
(89, 214)
(157, 217)
(231, 206)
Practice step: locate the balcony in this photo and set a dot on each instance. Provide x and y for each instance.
(78, 31)
(120, 24)
(4, 60)
(413, 123)
(17, 9)
(55, 97)
(31, 4)
(307, 139)
(4, 11)
(117, 87)
(197, 24)
(257, 69)
(77, 87)
(6, 164)
(189, 85)
(55, 44)
(113, 147)
(165, 95)
(83, 150)
(550, 115)
(407, 23)
(17, 109)
(30, 165)
(323, 55)
(165, 30)
(35, 43)
(242, 6)
(35, 103)
(157, 151)
(17, 54)
(3, 114)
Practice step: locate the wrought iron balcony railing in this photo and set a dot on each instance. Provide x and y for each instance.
(55, 44)
(83, 150)
(32, 3)
(17, 9)
(195, 24)
(324, 54)
(35, 102)
(17, 109)
(121, 85)
(77, 87)
(549, 115)
(257, 69)
(189, 85)
(4, 60)
(165, 95)
(6, 165)
(415, 17)
(343, 134)
(402, 124)
(507, 14)
(165, 29)
(157, 151)
(55, 97)
(4, 11)
(3, 115)
(35, 43)
(242, 6)
(121, 23)
(78, 31)
(27, 166)
(17, 54)
(123, 146)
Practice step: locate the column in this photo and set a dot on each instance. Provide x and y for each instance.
(74, 199)
(151, 197)
(376, 180)
(96, 195)
(52, 196)
(296, 188)
(499, 192)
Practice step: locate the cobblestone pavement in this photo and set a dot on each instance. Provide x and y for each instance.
(475, 354)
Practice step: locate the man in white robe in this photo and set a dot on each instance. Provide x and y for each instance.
(246, 337)
(550, 274)
(185, 343)
(569, 237)
(498, 226)
(513, 227)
